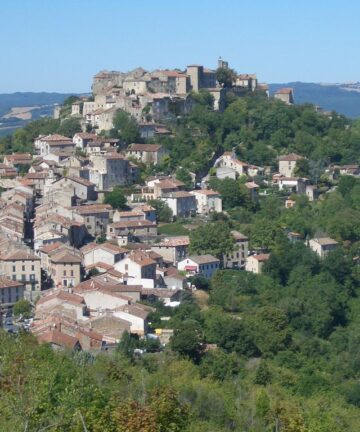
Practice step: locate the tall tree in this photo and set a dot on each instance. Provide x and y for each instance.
(213, 238)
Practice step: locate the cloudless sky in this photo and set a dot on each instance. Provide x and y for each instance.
(58, 45)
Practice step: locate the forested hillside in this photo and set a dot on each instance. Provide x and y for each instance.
(277, 351)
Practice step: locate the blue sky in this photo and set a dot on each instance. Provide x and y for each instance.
(58, 45)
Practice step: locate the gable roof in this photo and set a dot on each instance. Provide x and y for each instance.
(62, 295)
(144, 147)
(290, 157)
(8, 283)
(58, 338)
(203, 259)
(109, 247)
(20, 255)
(260, 257)
(326, 241)
(65, 257)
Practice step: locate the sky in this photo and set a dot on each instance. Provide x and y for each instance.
(58, 45)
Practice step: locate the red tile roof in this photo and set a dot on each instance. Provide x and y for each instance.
(144, 147)
(57, 338)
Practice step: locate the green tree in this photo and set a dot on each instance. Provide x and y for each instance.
(233, 192)
(163, 211)
(186, 340)
(183, 175)
(23, 308)
(213, 238)
(226, 76)
(263, 374)
(69, 127)
(116, 198)
(126, 127)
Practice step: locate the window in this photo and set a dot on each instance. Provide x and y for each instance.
(23, 268)
(64, 272)
(14, 277)
(14, 269)
(72, 273)
(32, 267)
(23, 278)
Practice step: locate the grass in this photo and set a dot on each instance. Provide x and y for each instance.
(202, 299)
(173, 229)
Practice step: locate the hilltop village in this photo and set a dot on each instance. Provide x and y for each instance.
(96, 231)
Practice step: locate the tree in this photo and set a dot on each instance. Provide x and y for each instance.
(220, 365)
(302, 168)
(215, 239)
(69, 127)
(186, 340)
(263, 374)
(127, 344)
(126, 127)
(233, 192)
(163, 211)
(183, 175)
(23, 308)
(116, 198)
(203, 98)
(226, 76)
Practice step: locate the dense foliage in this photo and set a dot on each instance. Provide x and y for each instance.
(259, 130)
(272, 352)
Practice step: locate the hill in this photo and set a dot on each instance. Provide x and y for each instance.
(343, 98)
(17, 109)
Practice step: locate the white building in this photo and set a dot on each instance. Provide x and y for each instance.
(204, 265)
(237, 258)
(254, 263)
(181, 203)
(107, 253)
(287, 164)
(207, 201)
(323, 246)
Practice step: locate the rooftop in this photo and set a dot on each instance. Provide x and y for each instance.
(203, 259)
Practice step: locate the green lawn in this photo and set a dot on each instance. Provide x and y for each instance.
(173, 229)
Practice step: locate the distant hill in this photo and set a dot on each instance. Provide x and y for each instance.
(343, 98)
(17, 109)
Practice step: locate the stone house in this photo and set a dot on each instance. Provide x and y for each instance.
(82, 189)
(63, 302)
(53, 143)
(137, 314)
(109, 170)
(172, 249)
(137, 265)
(323, 246)
(94, 216)
(147, 153)
(107, 253)
(285, 95)
(181, 203)
(254, 263)
(287, 164)
(16, 159)
(23, 266)
(237, 258)
(207, 201)
(65, 268)
(137, 228)
(82, 139)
